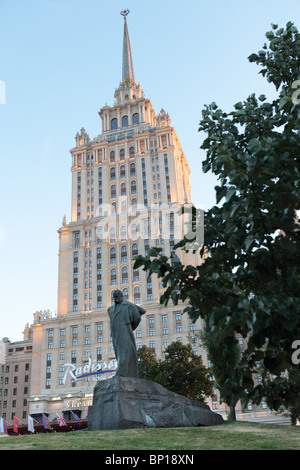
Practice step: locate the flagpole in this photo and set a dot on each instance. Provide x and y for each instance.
(34, 420)
(21, 421)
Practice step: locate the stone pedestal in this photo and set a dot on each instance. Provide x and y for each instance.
(127, 402)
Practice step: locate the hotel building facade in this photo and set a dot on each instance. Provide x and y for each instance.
(128, 185)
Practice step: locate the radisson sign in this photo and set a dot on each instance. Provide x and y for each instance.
(90, 368)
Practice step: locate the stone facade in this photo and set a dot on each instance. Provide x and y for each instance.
(15, 376)
(128, 184)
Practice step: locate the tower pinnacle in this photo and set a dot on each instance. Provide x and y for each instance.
(127, 62)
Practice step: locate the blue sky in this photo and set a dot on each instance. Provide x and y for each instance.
(61, 61)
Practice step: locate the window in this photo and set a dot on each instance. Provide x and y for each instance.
(123, 233)
(112, 235)
(134, 249)
(125, 293)
(125, 121)
(123, 189)
(124, 253)
(131, 152)
(113, 276)
(124, 274)
(122, 171)
(113, 191)
(133, 187)
(114, 124)
(134, 203)
(112, 173)
(124, 206)
(135, 118)
(136, 295)
(112, 157)
(136, 276)
(134, 232)
(122, 154)
(113, 255)
(132, 169)
(114, 208)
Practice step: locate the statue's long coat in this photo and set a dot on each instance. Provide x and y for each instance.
(124, 319)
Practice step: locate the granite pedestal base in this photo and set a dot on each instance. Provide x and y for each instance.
(128, 402)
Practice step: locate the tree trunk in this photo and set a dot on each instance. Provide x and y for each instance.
(232, 413)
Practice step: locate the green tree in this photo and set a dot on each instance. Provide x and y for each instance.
(181, 371)
(250, 283)
(224, 358)
(148, 365)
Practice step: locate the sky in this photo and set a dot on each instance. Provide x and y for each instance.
(60, 62)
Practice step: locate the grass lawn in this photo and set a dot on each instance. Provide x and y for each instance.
(229, 436)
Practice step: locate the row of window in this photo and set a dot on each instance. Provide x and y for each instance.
(6, 369)
(99, 327)
(112, 155)
(124, 121)
(5, 380)
(122, 171)
(123, 192)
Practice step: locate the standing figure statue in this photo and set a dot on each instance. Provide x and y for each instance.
(124, 319)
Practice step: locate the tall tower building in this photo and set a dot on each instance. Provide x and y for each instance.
(128, 184)
(120, 180)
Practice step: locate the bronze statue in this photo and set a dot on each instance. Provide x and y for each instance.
(124, 319)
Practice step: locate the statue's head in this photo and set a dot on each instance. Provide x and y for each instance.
(118, 296)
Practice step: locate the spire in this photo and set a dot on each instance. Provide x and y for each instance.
(127, 62)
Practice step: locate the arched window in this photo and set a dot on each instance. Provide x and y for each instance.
(135, 118)
(133, 187)
(114, 124)
(114, 208)
(123, 233)
(122, 154)
(134, 203)
(124, 253)
(112, 156)
(136, 295)
(125, 274)
(113, 276)
(113, 191)
(131, 152)
(124, 206)
(134, 249)
(123, 189)
(125, 121)
(122, 171)
(112, 173)
(125, 293)
(134, 232)
(132, 169)
(113, 255)
(136, 274)
(112, 235)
